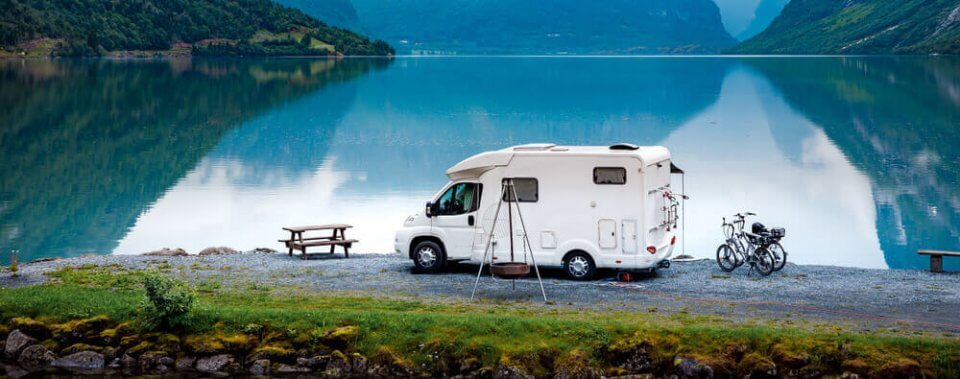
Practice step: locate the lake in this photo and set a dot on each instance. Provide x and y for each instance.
(857, 157)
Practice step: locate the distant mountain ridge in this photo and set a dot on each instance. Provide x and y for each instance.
(174, 27)
(861, 27)
(538, 26)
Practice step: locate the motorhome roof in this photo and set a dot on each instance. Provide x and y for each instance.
(477, 164)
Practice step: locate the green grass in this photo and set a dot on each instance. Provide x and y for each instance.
(489, 332)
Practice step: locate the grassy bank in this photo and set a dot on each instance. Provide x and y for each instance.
(443, 338)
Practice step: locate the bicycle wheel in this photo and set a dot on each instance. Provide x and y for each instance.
(765, 262)
(779, 256)
(726, 258)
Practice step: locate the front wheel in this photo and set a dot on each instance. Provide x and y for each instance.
(726, 258)
(428, 257)
(579, 266)
(779, 256)
(764, 261)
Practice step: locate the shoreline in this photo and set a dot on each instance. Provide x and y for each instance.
(859, 298)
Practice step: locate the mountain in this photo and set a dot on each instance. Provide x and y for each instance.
(172, 27)
(546, 26)
(339, 13)
(745, 18)
(763, 15)
(861, 27)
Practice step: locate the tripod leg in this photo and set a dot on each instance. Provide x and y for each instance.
(526, 239)
(486, 249)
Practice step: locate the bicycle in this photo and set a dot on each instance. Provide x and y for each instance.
(744, 247)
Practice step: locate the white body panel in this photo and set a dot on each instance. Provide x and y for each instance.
(614, 223)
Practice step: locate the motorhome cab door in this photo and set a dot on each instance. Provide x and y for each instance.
(456, 218)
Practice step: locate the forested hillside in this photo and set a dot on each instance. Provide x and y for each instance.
(861, 27)
(202, 27)
(340, 13)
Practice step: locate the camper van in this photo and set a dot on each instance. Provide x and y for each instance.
(582, 208)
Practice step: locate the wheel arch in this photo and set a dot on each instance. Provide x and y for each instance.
(418, 239)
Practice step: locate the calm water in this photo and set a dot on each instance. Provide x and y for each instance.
(859, 158)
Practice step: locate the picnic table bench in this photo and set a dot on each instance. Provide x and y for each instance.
(936, 258)
(336, 238)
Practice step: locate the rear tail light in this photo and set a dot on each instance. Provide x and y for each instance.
(651, 249)
(673, 240)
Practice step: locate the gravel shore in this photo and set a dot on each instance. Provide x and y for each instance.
(845, 298)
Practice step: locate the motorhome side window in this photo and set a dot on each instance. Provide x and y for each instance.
(460, 198)
(527, 190)
(609, 175)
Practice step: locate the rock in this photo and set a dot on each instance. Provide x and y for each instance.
(78, 347)
(128, 362)
(264, 250)
(35, 357)
(86, 330)
(314, 363)
(691, 369)
(47, 259)
(358, 363)
(338, 365)
(284, 368)
(85, 360)
(16, 342)
(510, 372)
(222, 250)
(165, 252)
(634, 357)
(155, 362)
(31, 327)
(756, 366)
(216, 363)
(388, 365)
(260, 367)
(185, 362)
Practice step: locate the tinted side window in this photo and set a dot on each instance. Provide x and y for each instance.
(459, 199)
(609, 175)
(527, 190)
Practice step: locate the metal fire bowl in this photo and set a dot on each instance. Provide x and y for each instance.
(509, 270)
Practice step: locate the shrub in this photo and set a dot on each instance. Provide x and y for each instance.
(168, 301)
(14, 265)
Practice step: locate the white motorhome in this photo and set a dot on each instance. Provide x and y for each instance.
(583, 207)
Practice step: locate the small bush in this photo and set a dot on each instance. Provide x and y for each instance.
(14, 264)
(168, 301)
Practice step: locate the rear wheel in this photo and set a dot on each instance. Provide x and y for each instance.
(764, 263)
(726, 258)
(779, 256)
(428, 257)
(579, 266)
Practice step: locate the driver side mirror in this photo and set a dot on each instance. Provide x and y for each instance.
(428, 209)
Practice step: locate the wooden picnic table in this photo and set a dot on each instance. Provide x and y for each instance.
(936, 258)
(336, 238)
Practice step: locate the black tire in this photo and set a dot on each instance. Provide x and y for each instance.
(429, 257)
(726, 258)
(579, 266)
(765, 263)
(779, 256)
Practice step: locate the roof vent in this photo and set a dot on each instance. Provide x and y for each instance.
(534, 147)
(624, 146)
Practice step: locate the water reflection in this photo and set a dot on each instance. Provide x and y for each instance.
(855, 156)
(88, 145)
(898, 120)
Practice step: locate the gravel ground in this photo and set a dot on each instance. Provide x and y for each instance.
(817, 296)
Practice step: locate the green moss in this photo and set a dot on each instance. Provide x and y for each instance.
(78, 347)
(30, 327)
(203, 344)
(141, 348)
